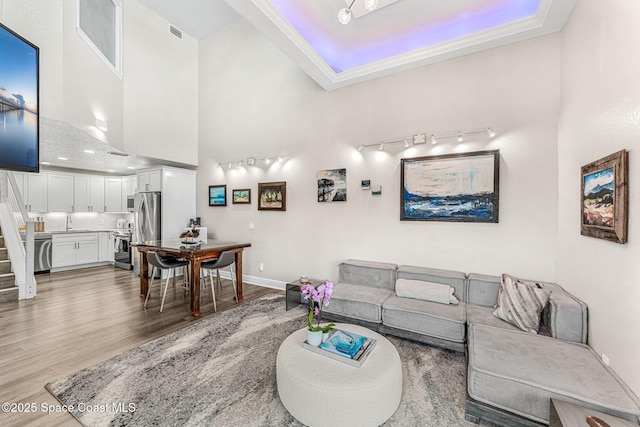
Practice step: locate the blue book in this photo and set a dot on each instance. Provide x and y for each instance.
(344, 343)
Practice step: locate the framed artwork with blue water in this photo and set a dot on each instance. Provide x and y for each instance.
(461, 187)
(19, 99)
(217, 195)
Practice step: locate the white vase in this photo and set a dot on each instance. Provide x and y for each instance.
(314, 338)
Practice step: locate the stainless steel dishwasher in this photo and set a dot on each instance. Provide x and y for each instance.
(42, 243)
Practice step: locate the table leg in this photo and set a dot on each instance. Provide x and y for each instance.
(195, 287)
(144, 275)
(239, 273)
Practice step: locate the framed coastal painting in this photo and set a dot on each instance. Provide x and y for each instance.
(332, 185)
(603, 205)
(451, 187)
(241, 196)
(217, 195)
(272, 196)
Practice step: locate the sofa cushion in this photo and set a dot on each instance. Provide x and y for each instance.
(519, 372)
(425, 317)
(521, 303)
(483, 289)
(368, 273)
(357, 302)
(456, 279)
(427, 291)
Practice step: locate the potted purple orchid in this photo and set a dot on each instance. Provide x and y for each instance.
(317, 297)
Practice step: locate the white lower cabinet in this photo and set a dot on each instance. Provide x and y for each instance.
(73, 249)
(106, 249)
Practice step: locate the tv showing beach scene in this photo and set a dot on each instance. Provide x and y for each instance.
(19, 126)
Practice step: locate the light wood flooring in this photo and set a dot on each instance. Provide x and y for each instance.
(79, 319)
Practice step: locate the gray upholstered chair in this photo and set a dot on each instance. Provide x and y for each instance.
(226, 259)
(163, 263)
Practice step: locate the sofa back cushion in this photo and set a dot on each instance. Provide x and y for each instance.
(456, 279)
(368, 273)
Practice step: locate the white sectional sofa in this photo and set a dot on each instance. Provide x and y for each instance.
(512, 374)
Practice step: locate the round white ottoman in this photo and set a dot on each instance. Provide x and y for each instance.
(320, 391)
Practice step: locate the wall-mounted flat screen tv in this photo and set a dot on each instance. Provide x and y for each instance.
(19, 96)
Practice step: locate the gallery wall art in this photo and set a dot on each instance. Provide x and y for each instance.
(452, 187)
(217, 195)
(241, 196)
(603, 205)
(332, 185)
(272, 196)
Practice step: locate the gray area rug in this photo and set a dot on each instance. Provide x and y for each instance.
(221, 371)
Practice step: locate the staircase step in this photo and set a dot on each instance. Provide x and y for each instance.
(10, 294)
(3, 254)
(5, 266)
(7, 280)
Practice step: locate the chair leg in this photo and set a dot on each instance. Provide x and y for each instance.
(149, 287)
(213, 292)
(166, 286)
(233, 280)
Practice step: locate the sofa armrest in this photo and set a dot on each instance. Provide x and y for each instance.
(565, 317)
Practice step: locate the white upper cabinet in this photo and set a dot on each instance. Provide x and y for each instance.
(60, 192)
(33, 188)
(150, 180)
(113, 194)
(88, 193)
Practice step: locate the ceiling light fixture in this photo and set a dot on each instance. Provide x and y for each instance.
(251, 161)
(89, 151)
(421, 138)
(344, 14)
(370, 4)
(62, 158)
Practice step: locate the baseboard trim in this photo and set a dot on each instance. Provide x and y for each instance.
(259, 281)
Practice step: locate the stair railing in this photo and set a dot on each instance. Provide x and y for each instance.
(13, 219)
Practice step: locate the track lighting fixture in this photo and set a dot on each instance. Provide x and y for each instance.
(251, 161)
(421, 138)
(344, 14)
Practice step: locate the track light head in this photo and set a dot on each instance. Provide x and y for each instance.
(361, 147)
(370, 4)
(381, 148)
(491, 133)
(433, 139)
(460, 137)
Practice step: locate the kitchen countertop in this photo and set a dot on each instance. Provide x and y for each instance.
(74, 231)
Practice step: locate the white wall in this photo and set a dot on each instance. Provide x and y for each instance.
(255, 101)
(600, 115)
(157, 93)
(160, 88)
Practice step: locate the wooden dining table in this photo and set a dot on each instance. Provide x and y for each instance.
(195, 253)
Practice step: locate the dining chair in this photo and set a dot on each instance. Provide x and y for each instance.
(163, 263)
(226, 259)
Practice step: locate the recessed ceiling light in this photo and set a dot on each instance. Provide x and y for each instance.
(62, 158)
(110, 170)
(89, 151)
(45, 163)
(131, 167)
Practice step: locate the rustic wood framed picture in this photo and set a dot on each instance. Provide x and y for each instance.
(451, 187)
(241, 196)
(217, 195)
(272, 196)
(603, 198)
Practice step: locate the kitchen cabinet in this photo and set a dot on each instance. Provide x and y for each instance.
(128, 189)
(33, 188)
(73, 249)
(88, 193)
(106, 249)
(60, 192)
(113, 194)
(150, 180)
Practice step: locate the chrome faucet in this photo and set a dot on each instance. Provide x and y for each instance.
(68, 226)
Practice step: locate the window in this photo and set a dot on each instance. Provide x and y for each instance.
(99, 23)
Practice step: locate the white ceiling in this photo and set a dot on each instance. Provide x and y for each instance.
(397, 36)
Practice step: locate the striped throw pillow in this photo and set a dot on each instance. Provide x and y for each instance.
(520, 303)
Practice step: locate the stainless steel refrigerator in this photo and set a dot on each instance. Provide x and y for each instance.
(148, 221)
